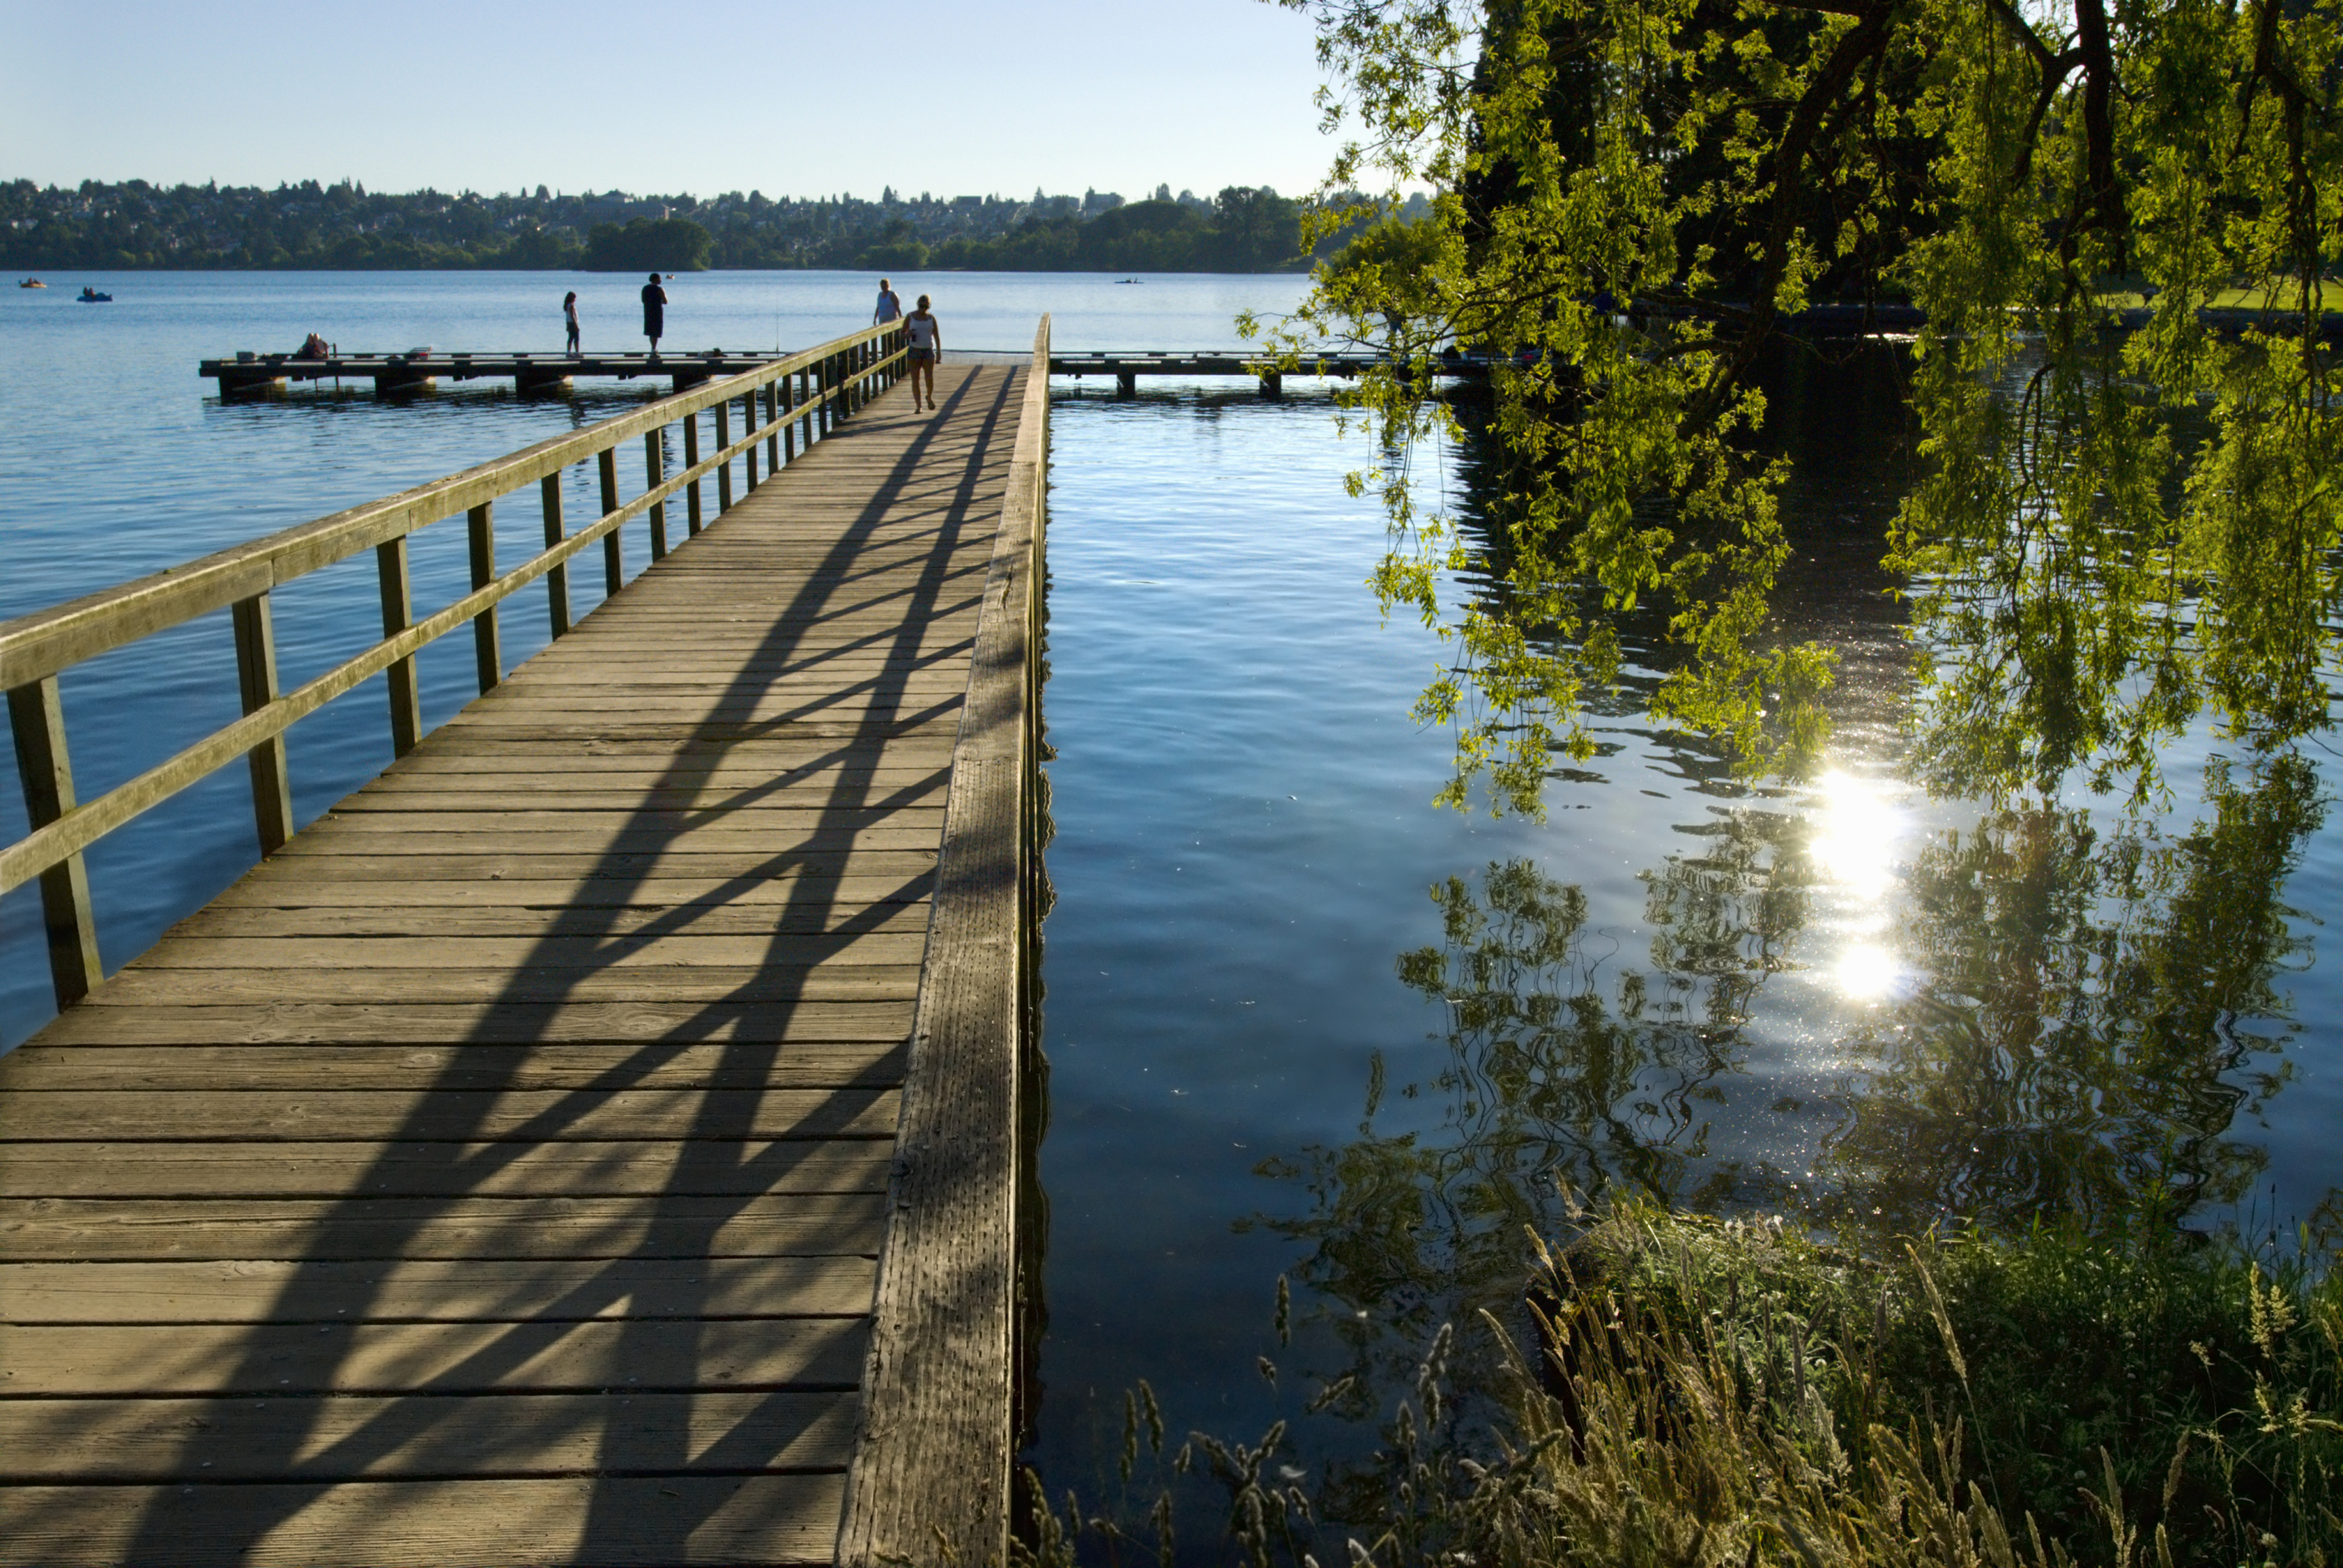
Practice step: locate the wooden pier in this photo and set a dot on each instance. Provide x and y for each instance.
(248, 374)
(595, 1140)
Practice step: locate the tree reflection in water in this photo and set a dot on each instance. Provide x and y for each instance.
(2066, 1042)
(2073, 1045)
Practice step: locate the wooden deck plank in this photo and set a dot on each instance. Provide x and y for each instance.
(459, 1115)
(876, 1063)
(118, 1440)
(173, 1228)
(671, 1024)
(551, 951)
(607, 1521)
(126, 1167)
(131, 1230)
(138, 986)
(498, 1172)
(433, 1289)
(436, 1359)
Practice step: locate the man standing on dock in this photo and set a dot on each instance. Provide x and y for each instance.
(654, 312)
(890, 307)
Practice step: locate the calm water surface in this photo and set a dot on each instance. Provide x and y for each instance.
(1298, 1022)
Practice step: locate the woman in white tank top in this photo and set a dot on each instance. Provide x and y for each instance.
(927, 343)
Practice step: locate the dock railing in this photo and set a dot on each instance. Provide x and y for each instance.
(799, 397)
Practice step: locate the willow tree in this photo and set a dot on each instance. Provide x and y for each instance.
(2126, 519)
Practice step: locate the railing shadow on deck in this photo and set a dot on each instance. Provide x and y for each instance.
(718, 1169)
(720, 1166)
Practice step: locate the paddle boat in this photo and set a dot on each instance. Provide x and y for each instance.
(31, 283)
(89, 295)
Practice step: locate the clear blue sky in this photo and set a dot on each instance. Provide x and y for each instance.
(792, 98)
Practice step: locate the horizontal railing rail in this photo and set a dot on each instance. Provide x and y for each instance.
(805, 392)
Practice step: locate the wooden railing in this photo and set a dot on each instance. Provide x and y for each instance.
(799, 398)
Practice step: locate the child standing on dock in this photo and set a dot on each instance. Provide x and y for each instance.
(569, 319)
(654, 313)
(927, 342)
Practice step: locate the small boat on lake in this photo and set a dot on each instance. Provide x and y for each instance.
(31, 283)
(89, 295)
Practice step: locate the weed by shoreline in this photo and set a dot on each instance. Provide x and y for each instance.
(1731, 1393)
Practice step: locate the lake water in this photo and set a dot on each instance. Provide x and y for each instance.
(1298, 1022)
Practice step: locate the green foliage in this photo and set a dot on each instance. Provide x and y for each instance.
(305, 226)
(660, 244)
(2116, 530)
(1717, 1394)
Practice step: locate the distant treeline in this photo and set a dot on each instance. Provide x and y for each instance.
(134, 225)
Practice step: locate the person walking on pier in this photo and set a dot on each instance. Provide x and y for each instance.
(569, 319)
(654, 313)
(927, 343)
(890, 307)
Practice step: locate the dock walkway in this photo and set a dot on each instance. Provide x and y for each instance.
(500, 1171)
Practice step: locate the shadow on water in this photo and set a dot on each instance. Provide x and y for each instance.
(636, 1352)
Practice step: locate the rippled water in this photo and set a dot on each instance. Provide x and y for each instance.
(1299, 1021)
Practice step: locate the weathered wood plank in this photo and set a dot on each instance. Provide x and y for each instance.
(350, 1438)
(816, 1066)
(802, 950)
(672, 1521)
(930, 1480)
(460, 1115)
(586, 882)
(580, 1357)
(433, 1289)
(843, 982)
(666, 1023)
(766, 920)
(113, 1230)
(126, 1168)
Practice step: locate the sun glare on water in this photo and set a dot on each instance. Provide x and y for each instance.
(1855, 834)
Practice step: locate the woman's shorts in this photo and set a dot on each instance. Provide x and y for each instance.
(923, 354)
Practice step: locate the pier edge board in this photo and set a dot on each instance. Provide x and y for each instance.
(930, 1479)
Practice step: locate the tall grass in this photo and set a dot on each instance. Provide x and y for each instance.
(1698, 1392)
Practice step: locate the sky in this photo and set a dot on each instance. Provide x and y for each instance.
(956, 98)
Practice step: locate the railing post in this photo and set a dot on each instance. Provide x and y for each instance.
(692, 461)
(614, 564)
(825, 380)
(772, 430)
(654, 476)
(723, 469)
(397, 614)
(747, 434)
(481, 520)
(38, 720)
(256, 679)
(790, 430)
(557, 578)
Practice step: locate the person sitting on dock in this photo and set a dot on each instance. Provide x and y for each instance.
(313, 347)
(890, 307)
(654, 313)
(927, 343)
(569, 319)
